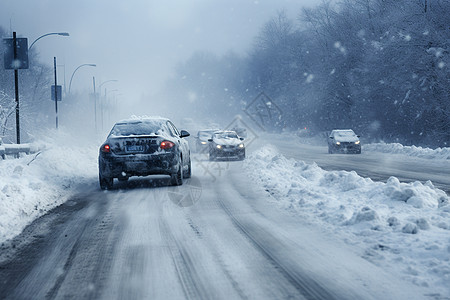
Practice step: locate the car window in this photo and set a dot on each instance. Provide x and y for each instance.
(173, 130)
(139, 128)
(226, 135)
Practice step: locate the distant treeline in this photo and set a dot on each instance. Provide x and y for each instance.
(380, 67)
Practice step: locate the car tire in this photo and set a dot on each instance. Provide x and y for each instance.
(212, 156)
(177, 178)
(330, 151)
(189, 171)
(106, 183)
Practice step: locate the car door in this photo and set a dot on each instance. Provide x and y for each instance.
(183, 143)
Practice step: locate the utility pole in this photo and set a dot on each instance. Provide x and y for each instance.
(95, 104)
(16, 83)
(56, 92)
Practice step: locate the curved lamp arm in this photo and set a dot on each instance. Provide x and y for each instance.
(47, 34)
(83, 65)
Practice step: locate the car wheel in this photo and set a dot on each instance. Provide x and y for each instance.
(123, 178)
(212, 156)
(189, 171)
(177, 178)
(106, 183)
(330, 151)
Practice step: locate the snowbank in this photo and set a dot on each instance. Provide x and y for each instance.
(32, 185)
(398, 225)
(439, 153)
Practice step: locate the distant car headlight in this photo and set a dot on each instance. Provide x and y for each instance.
(338, 143)
(204, 143)
(241, 146)
(357, 142)
(219, 146)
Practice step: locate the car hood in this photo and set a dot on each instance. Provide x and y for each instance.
(346, 139)
(228, 142)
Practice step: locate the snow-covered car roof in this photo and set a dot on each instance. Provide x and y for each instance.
(343, 131)
(141, 126)
(135, 119)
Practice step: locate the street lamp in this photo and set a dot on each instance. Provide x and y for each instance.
(83, 65)
(101, 102)
(111, 80)
(51, 33)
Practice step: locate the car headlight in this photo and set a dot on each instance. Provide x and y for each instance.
(241, 146)
(219, 146)
(204, 143)
(357, 142)
(338, 143)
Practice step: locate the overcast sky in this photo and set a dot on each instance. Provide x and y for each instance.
(137, 42)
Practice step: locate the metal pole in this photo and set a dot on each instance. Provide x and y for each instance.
(95, 104)
(102, 106)
(16, 84)
(56, 92)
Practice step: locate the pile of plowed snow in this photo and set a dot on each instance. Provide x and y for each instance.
(34, 184)
(439, 153)
(401, 225)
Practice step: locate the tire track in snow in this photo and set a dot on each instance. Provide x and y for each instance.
(307, 287)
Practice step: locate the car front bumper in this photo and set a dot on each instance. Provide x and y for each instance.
(347, 148)
(229, 153)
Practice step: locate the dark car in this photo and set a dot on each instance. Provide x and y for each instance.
(142, 147)
(344, 141)
(226, 145)
(202, 144)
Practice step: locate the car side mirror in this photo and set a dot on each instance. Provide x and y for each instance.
(331, 137)
(184, 133)
(241, 138)
(357, 136)
(210, 140)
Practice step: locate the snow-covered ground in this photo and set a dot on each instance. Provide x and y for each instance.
(439, 153)
(397, 225)
(32, 185)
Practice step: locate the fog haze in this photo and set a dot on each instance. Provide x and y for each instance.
(137, 42)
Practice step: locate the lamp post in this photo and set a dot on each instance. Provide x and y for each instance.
(109, 105)
(47, 34)
(101, 102)
(83, 65)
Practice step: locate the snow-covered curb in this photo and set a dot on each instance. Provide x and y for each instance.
(439, 153)
(29, 188)
(398, 225)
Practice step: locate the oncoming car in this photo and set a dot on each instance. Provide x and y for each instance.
(203, 136)
(344, 141)
(226, 144)
(142, 147)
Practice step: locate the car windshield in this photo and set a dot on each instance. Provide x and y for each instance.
(139, 128)
(226, 135)
(204, 135)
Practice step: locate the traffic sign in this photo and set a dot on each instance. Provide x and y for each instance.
(58, 92)
(21, 61)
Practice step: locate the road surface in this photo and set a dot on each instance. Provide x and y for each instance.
(215, 237)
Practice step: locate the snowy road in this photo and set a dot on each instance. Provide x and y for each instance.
(375, 165)
(225, 241)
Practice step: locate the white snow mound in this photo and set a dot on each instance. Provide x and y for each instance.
(29, 188)
(397, 225)
(396, 148)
